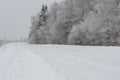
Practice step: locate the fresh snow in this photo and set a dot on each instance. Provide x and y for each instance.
(21, 61)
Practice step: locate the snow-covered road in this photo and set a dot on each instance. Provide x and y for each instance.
(21, 61)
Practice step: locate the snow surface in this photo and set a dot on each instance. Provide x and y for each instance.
(21, 61)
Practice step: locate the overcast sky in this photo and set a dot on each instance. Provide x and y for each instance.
(15, 16)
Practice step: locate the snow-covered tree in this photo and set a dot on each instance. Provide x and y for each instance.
(38, 27)
(100, 26)
(85, 22)
(71, 12)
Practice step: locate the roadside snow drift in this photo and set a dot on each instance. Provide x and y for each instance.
(54, 62)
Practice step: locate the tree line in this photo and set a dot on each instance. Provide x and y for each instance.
(77, 22)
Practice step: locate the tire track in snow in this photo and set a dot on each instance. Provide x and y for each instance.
(49, 56)
(5, 61)
(16, 68)
(11, 63)
(59, 73)
(78, 60)
(20, 64)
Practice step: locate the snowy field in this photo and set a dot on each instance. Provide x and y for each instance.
(21, 61)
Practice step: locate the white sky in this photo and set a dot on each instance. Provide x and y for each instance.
(15, 16)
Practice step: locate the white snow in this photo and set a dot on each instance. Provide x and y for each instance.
(20, 61)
